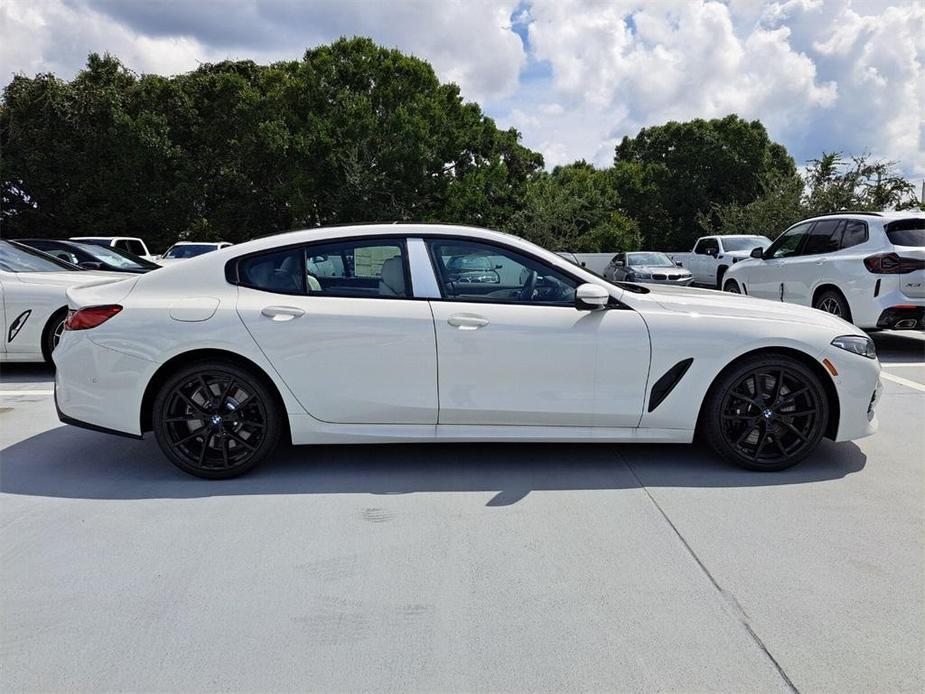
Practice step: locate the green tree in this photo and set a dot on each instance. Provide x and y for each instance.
(671, 176)
(575, 208)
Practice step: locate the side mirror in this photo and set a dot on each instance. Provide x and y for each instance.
(591, 296)
(757, 252)
(712, 251)
(90, 265)
(618, 263)
(678, 263)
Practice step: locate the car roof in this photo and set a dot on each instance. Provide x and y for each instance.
(198, 243)
(886, 215)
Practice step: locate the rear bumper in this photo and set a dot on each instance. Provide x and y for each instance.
(902, 317)
(98, 388)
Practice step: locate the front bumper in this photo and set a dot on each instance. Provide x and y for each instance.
(859, 389)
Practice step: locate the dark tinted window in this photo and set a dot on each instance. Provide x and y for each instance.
(906, 232)
(824, 237)
(706, 245)
(854, 233)
(473, 271)
(282, 272)
(788, 243)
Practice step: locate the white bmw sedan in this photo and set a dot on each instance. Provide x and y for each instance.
(384, 333)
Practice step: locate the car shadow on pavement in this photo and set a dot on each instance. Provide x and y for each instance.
(73, 463)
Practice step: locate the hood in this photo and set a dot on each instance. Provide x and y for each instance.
(739, 254)
(711, 302)
(69, 278)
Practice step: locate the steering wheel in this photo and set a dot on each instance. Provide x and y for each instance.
(526, 294)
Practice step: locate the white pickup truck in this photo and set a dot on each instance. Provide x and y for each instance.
(713, 255)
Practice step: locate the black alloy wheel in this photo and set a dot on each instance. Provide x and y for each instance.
(767, 414)
(732, 287)
(52, 334)
(216, 421)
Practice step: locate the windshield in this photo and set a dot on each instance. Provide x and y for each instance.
(113, 257)
(906, 232)
(650, 259)
(190, 250)
(96, 242)
(19, 259)
(746, 243)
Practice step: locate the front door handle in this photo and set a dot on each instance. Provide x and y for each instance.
(281, 313)
(467, 322)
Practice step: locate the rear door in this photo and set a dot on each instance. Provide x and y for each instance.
(515, 350)
(339, 323)
(816, 263)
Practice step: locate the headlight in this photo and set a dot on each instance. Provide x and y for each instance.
(642, 275)
(858, 344)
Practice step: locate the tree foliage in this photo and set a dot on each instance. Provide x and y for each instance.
(352, 132)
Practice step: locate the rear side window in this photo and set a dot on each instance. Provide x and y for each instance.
(824, 238)
(282, 272)
(906, 232)
(854, 233)
(358, 267)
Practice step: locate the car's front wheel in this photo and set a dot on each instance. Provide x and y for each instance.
(216, 420)
(766, 413)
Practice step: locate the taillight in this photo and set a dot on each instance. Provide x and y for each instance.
(892, 264)
(90, 317)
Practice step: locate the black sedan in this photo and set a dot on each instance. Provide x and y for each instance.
(92, 257)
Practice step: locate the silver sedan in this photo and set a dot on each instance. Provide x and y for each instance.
(646, 266)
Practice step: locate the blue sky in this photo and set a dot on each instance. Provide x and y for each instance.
(573, 76)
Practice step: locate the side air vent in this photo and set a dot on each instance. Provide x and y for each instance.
(664, 385)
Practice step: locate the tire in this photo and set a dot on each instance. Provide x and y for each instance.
(233, 410)
(52, 333)
(766, 413)
(832, 301)
(732, 287)
(719, 276)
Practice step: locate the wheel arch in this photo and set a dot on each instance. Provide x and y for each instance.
(805, 359)
(47, 328)
(721, 274)
(178, 361)
(829, 286)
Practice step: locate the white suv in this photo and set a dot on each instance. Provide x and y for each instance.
(866, 267)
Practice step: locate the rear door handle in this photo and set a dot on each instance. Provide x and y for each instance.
(465, 322)
(281, 313)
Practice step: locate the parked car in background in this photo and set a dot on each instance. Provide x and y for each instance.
(646, 266)
(33, 305)
(183, 250)
(714, 255)
(865, 267)
(133, 245)
(92, 257)
(225, 356)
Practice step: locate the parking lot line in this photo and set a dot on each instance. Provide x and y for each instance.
(903, 365)
(902, 381)
(8, 393)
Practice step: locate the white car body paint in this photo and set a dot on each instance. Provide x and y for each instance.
(354, 370)
(797, 279)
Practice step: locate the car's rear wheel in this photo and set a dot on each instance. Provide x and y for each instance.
(832, 301)
(216, 420)
(52, 333)
(767, 413)
(732, 287)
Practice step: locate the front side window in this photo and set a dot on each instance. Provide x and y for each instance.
(480, 272)
(707, 247)
(825, 237)
(788, 243)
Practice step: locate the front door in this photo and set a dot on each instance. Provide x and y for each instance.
(339, 324)
(514, 350)
(766, 275)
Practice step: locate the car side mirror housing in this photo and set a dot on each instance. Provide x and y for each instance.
(591, 296)
(678, 263)
(712, 251)
(618, 263)
(757, 252)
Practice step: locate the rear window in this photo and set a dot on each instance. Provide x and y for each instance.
(906, 232)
